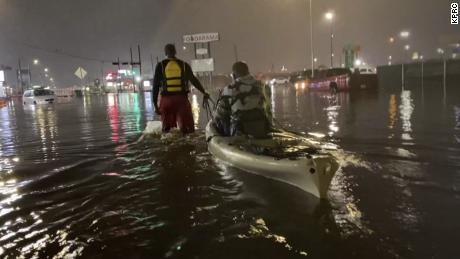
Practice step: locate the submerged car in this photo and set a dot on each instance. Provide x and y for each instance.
(38, 96)
(365, 70)
(338, 79)
(280, 81)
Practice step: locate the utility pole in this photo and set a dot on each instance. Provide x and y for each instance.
(20, 75)
(118, 71)
(131, 63)
(330, 17)
(30, 75)
(235, 50)
(153, 66)
(311, 43)
(140, 62)
(102, 76)
(332, 46)
(141, 86)
(132, 71)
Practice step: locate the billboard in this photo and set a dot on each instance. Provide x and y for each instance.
(203, 65)
(201, 37)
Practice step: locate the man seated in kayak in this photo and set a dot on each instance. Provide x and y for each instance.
(242, 108)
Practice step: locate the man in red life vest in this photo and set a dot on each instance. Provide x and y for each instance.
(172, 77)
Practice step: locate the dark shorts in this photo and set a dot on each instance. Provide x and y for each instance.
(176, 111)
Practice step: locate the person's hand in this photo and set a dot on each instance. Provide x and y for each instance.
(157, 110)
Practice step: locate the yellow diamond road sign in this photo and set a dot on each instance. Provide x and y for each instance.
(80, 73)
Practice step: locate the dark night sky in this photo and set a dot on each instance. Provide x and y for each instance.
(266, 31)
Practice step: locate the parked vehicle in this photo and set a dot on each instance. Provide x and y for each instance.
(365, 70)
(38, 96)
(298, 76)
(280, 81)
(337, 79)
(334, 79)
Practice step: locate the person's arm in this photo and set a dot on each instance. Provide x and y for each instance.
(157, 85)
(195, 82)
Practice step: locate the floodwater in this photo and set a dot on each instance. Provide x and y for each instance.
(74, 182)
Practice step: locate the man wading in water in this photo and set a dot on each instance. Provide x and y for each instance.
(172, 77)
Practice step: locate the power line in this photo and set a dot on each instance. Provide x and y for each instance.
(61, 53)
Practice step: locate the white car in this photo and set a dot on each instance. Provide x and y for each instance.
(280, 81)
(38, 96)
(365, 70)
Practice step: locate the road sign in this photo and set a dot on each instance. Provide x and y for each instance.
(80, 73)
(203, 65)
(202, 51)
(201, 37)
(4, 67)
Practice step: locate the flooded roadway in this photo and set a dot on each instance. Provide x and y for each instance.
(74, 182)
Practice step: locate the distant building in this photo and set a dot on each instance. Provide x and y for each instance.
(351, 54)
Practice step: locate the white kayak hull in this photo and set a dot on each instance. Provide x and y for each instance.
(311, 173)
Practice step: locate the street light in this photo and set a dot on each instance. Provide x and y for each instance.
(330, 17)
(440, 52)
(391, 42)
(407, 48)
(404, 34)
(358, 62)
(46, 69)
(311, 42)
(36, 61)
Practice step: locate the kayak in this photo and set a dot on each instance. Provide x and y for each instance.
(284, 156)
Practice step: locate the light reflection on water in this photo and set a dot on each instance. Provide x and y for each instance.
(112, 110)
(457, 123)
(98, 189)
(393, 113)
(406, 109)
(195, 109)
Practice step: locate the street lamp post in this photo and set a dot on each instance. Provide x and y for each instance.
(330, 17)
(404, 35)
(37, 62)
(391, 42)
(407, 48)
(311, 44)
(440, 52)
(46, 71)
